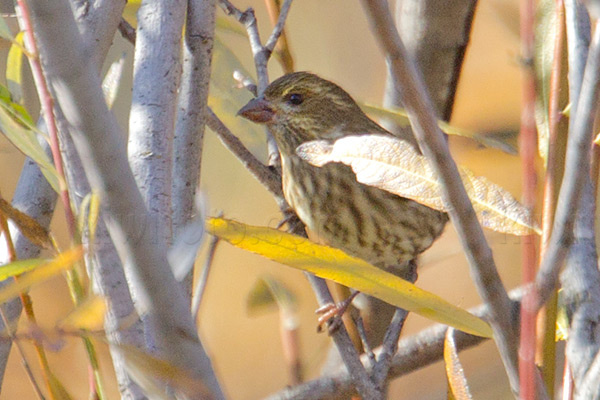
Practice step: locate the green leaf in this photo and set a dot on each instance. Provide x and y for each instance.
(226, 99)
(333, 264)
(18, 267)
(268, 292)
(27, 142)
(5, 32)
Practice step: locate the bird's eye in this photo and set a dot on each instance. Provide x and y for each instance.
(295, 99)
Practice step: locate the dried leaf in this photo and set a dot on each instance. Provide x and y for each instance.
(392, 165)
(28, 226)
(454, 370)
(400, 117)
(333, 264)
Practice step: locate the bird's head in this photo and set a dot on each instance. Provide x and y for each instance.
(301, 107)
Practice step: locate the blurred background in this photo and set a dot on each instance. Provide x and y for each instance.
(330, 38)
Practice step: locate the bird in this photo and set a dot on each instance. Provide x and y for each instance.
(379, 227)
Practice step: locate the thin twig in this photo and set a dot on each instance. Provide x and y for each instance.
(527, 147)
(127, 31)
(414, 352)
(390, 341)
(201, 285)
(28, 371)
(433, 145)
(557, 133)
(577, 168)
(266, 176)
(282, 50)
(278, 29)
(261, 56)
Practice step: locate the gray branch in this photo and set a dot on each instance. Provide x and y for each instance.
(580, 279)
(577, 169)
(191, 113)
(414, 352)
(156, 74)
(432, 143)
(98, 141)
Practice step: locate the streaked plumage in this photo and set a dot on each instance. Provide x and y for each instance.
(379, 227)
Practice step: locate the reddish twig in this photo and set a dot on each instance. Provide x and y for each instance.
(527, 145)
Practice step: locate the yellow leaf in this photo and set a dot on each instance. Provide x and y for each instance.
(335, 265)
(457, 381)
(88, 316)
(28, 226)
(393, 165)
(400, 117)
(14, 68)
(62, 262)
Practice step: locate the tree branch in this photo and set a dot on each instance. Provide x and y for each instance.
(98, 140)
(414, 352)
(577, 169)
(156, 74)
(191, 114)
(265, 175)
(432, 143)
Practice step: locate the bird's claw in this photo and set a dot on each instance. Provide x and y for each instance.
(331, 314)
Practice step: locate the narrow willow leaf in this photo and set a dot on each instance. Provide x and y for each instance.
(27, 142)
(18, 267)
(400, 117)
(112, 80)
(227, 24)
(14, 69)
(94, 214)
(544, 58)
(28, 226)
(62, 262)
(225, 99)
(88, 316)
(59, 392)
(392, 165)
(454, 370)
(333, 264)
(269, 292)
(155, 375)
(5, 30)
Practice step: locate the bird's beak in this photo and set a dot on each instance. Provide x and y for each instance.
(258, 110)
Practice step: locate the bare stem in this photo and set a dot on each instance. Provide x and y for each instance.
(433, 145)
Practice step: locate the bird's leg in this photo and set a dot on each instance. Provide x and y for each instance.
(331, 314)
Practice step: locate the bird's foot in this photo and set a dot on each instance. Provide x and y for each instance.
(331, 314)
